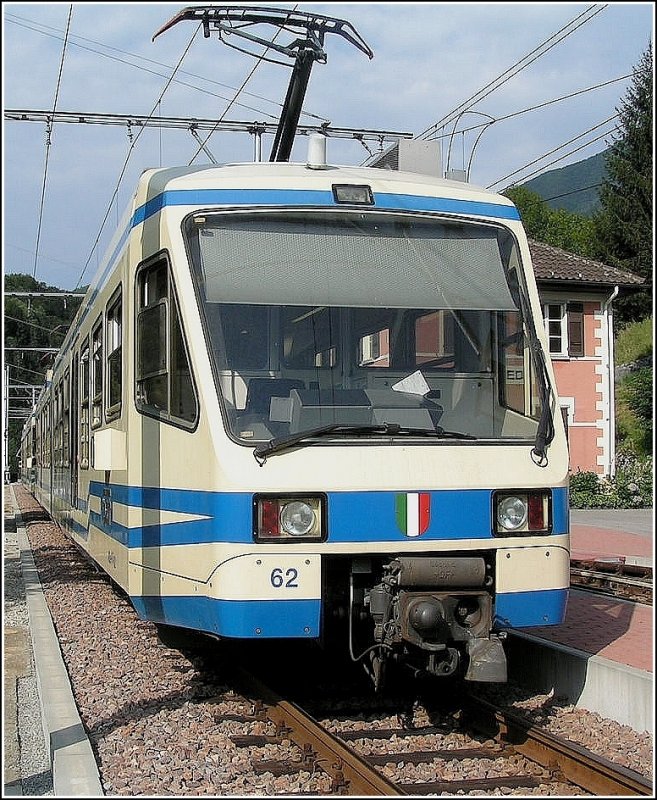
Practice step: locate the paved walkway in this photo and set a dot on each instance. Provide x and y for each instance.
(629, 520)
(614, 533)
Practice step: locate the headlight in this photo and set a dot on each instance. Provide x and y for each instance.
(512, 512)
(280, 518)
(297, 518)
(522, 512)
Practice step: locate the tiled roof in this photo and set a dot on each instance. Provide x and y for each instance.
(553, 264)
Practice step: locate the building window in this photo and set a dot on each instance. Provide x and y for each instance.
(434, 340)
(374, 349)
(564, 325)
(554, 315)
(564, 417)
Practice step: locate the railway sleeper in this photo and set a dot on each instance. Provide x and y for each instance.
(307, 762)
(474, 784)
(426, 756)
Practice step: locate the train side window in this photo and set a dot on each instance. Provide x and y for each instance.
(47, 439)
(66, 393)
(164, 381)
(84, 407)
(58, 426)
(97, 375)
(114, 327)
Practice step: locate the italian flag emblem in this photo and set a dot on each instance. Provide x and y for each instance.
(413, 512)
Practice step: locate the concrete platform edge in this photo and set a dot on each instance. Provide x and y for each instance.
(615, 691)
(74, 768)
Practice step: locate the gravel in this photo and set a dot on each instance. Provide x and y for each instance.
(35, 768)
(155, 716)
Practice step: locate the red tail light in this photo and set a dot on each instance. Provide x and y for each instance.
(536, 512)
(269, 525)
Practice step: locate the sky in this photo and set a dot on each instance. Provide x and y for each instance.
(430, 60)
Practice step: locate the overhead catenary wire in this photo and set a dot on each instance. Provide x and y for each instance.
(542, 200)
(513, 114)
(556, 149)
(160, 74)
(49, 130)
(25, 369)
(131, 150)
(504, 77)
(34, 325)
(536, 107)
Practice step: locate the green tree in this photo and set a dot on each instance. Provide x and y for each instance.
(557, 227)
(30, 322)
(624, 225)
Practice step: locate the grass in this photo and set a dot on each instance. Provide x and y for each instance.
(634, 342)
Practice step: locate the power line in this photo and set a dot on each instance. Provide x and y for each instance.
(26, 369)
(130, 151)
(160, 74)
(542, 200)
(497, 82)
(560, 147)
(533, 108)
(34, 325)
(49, 142)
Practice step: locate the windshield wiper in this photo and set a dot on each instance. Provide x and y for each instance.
(261, 452)
(545, 429)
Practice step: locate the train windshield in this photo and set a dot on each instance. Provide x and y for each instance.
(365, 319)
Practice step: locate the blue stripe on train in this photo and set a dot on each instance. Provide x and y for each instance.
(241, 619)
(352, 516)
(263, 619)
(306, 197)
(527, 609)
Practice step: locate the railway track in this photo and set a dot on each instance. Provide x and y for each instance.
(613, 577)
(514, 754)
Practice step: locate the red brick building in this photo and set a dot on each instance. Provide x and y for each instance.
(578, 308)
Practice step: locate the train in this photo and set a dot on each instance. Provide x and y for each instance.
(303, 401)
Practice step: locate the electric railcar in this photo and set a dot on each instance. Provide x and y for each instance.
(315, 403)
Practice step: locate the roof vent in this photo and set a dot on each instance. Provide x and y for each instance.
(411, 155)
(316, 151)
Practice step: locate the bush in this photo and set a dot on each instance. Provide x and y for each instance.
(631, 486)
(637, 389)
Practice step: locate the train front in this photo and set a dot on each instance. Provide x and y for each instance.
(390, 439)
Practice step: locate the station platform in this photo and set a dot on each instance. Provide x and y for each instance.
(604, 657)
(608, 644)
(614, 629)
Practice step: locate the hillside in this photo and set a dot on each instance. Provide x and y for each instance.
(561, 184)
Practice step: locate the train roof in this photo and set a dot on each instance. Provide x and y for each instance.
(154, 183)
(265, 175)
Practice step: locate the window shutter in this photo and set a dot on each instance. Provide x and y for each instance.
(575, 329)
